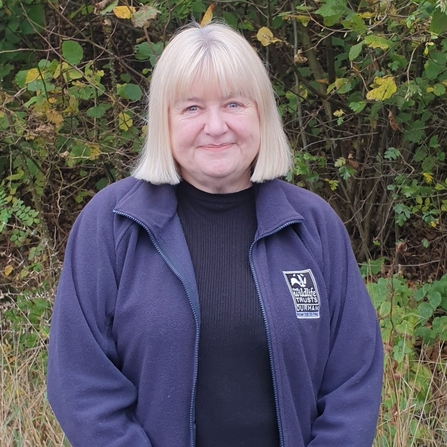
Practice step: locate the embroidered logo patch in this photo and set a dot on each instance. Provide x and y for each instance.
(303, 287)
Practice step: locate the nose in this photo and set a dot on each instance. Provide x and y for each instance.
(215, 124)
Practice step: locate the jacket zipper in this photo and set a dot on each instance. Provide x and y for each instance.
(258, 290)
(196, 318)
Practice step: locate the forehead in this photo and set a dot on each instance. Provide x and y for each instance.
(210, 82)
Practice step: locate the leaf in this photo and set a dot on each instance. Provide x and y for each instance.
(8, 270)
(438, 22)
(439, 89)
(125, 121)
(355, 51)
(357, 107)
(425, 310)
(103, 10)
(433, 69)
(98, 111)
(427, 177)
(32, 75)
(342, 85)
(378, 42)
(144, 16)
(265, 36)
(384, 88)
(72, 52)
(124, 12)
(332, 8)
(54, 117)
(131, 92)
(208, 16)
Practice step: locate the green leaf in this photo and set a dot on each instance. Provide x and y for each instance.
(131, 92)
(20, 78)
(425, 310)
(332, 8)
(355, 51)
(357, 107)
(434, 298)
(378, 42)
(35, 21)
(98, 111)
(439, 89)
(391, 153)
(415, 132)
(355, 23)
(438, 22)
(72, 52)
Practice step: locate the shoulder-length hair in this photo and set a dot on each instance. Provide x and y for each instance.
(215, 55)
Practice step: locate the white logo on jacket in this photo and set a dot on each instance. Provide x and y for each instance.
(304, 291)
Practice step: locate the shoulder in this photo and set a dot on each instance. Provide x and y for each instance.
(308, 204)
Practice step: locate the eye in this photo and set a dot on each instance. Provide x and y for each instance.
(192, 109)
(233, 105)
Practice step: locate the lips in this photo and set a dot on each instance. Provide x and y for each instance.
(216, 147)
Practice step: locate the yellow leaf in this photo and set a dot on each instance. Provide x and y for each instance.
(265, 36)
(124, 121)
(32, 75)
(208, 16)
(367, 15)
(339, 113)
(8, 270)
(383, 89)
(54, 117)
(124, 12)
(95, 152)
(428, 177)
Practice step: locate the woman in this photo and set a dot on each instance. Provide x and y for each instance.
(202, 302)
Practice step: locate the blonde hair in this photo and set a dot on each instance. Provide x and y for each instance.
(217, 55)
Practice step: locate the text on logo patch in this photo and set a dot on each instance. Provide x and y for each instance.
(303, 287)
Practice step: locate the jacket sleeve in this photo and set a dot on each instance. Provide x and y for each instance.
(91, 398)
(350, 393)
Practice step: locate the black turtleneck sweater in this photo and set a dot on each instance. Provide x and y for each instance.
(235, 403)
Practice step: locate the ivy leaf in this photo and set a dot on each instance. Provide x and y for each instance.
(72, 52)
(124, 12)
(265, 36)
(384, 88)
(378, 42)
(355, 51)
(144, 16)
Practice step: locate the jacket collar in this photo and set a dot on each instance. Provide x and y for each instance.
(155, 206)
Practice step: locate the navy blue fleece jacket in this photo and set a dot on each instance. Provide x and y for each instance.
(126, 324)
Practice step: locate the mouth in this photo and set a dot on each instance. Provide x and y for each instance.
(216, 147)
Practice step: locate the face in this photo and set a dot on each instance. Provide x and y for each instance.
(215, 139)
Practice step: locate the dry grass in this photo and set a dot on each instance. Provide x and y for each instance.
(414, 410)
(26, 419)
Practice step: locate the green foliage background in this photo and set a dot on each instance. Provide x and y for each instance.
(361, 87)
